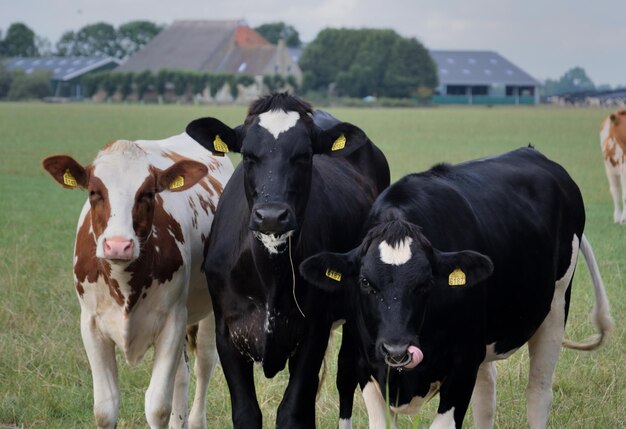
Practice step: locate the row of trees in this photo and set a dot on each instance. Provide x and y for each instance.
(100, 39)
(182, 83)
(368, 62)
(103, 39)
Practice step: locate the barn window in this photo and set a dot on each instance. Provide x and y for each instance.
(480, 90)
(443, 71)
(466, 71)
(457, 90)
(242, 67)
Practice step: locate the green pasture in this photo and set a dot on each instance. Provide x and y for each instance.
(45, 380)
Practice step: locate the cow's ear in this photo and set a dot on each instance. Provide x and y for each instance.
(65, 170)
(462, 269)
(216, 136)
(180, 176)
(330, 271)
(340, 140)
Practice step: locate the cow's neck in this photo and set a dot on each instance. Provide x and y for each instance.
(279, 276)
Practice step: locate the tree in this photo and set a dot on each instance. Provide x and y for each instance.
(35, 85)
(134, 35)
(409, 68)
(5, 80)
(143, 81)
(367, 62)
(574, 80)
(103, 39)
(19, 42)
(275, 31)
(92, 40)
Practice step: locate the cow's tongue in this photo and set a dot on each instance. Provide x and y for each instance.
(416, 356)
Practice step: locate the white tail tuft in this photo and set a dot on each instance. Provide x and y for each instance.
(600, 315)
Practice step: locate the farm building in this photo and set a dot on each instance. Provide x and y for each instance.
(482, 77)
(214, 47)
(66, 71)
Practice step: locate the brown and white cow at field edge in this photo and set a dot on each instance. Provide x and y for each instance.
(613, 142)
(138, 258)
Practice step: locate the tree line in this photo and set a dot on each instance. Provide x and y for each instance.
(181, 83)
(103, 39)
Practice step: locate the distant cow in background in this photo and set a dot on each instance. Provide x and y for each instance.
(613, 143)
(139, 249)
(461, 266)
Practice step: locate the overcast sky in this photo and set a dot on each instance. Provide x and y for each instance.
(544, 38)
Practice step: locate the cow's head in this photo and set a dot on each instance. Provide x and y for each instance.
(391, 277)
(123, 188)
(277, 141)
(618, 126)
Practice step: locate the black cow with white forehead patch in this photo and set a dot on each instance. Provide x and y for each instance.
(306, 184)
(461, 266)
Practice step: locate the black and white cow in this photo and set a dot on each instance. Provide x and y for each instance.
(461, 266)
(306, 184)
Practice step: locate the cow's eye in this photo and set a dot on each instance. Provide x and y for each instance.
(366, 286)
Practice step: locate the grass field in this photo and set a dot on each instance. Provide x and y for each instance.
(45, 380)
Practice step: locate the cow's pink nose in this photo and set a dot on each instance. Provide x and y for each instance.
(118, 248)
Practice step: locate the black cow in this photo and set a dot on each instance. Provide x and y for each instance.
(301, 188)
(461, 266)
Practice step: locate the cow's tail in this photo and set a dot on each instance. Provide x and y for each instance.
(600, 315)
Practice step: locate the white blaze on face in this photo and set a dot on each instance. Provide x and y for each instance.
(278, 121)
(122, 168)
(396, 255)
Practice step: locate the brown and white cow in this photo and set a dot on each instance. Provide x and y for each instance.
(613, 143)
(139, 249)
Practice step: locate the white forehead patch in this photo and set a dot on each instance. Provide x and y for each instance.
(396, 255)
(278, 121)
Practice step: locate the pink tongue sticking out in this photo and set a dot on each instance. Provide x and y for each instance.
(416, 357)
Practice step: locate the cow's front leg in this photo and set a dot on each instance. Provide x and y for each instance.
(297, 409)
(622, 203)
(178, 416)
(347, 378)
(101, 355)
(168, 350)
(484, 396)
(454, 397)
(206, 358)
(240, 379)
(379, 415)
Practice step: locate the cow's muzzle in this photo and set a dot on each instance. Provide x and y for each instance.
(272, 219)
(401, 356)
(118, 249)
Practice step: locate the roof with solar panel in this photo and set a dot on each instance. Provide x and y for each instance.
(478, 68)
(62, 68)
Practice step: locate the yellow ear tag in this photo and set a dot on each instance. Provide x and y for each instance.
(456, 278)
(333, 275)
(339, 144)
(179, 182)
(219, 145)
(69, 179)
